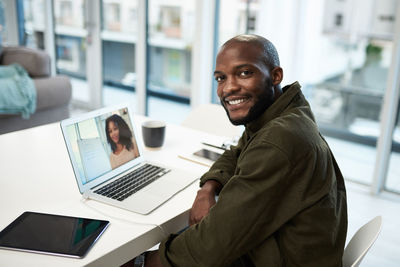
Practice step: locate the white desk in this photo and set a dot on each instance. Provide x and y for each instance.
(36, 175)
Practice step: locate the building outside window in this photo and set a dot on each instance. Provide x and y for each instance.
(171, 25)
(70, 37)
(119, 37)
(344, 72)
(34, 23)
(237, 17)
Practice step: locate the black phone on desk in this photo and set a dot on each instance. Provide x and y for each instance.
(208, 154)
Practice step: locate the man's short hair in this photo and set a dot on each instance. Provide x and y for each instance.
(271, 57)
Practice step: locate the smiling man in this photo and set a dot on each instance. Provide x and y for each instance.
(250, 85)
(282, 199)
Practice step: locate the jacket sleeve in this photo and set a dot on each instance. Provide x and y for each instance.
(248, 211)
(223, 169)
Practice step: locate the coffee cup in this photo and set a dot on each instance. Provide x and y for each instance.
(153, 133)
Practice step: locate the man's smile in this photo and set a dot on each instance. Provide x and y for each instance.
(236, 102)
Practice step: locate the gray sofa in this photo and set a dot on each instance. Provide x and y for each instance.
(53, 92)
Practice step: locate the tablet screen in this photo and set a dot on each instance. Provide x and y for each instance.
(52, 234)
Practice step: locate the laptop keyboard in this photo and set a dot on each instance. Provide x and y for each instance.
(132, 182)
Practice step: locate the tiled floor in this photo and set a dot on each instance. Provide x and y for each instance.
(356, 162)
(362, 207)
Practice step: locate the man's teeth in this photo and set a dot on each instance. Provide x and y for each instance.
(235, 102)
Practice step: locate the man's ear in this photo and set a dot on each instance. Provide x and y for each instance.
(276, 75)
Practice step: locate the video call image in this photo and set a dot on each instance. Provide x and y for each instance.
(102, 144)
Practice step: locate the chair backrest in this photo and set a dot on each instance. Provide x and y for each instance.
(211, 118)
(361, 242)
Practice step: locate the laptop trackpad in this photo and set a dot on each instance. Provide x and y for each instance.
(150, 197)
(163, 188)
(142, 203)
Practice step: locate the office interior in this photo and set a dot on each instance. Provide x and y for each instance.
(159, 56)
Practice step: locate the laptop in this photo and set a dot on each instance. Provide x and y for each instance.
(106, 154)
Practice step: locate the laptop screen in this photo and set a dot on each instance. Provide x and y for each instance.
(100, 143)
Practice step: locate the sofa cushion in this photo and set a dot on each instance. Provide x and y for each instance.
(52, 92)
(35, 62)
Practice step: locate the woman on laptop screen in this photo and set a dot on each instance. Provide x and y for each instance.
(119, 136)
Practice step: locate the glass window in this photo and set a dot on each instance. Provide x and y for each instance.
(69, 14)
(119, 35)
(171, 30)
(70, 39)
(343, 73)
(237, 17)
(350, 99)
(393, 176)
(34, 23)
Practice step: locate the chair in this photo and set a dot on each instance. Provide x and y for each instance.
(361, 242)
(211, 118)
(53, 92)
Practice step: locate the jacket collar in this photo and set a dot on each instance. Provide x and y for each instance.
(289, 93)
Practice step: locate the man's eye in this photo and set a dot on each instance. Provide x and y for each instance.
(245, 73)
(219, 78)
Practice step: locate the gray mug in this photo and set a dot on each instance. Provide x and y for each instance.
(153, 133)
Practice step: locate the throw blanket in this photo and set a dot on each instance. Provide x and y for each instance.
(17, 91)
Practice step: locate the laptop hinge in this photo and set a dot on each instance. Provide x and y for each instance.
(85, 194)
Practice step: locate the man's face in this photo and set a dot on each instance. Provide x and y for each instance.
(244, 83)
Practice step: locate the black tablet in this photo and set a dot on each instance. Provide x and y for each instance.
(52, 234)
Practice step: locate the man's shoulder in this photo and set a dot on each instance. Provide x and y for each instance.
(296, 122)
(290, 132)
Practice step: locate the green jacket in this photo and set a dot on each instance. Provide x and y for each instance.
(283, 201)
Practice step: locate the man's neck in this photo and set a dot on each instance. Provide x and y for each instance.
(277, 92)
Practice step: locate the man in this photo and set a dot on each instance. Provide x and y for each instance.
(282, 199)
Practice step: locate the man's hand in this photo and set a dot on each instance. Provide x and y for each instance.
(205, 199)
